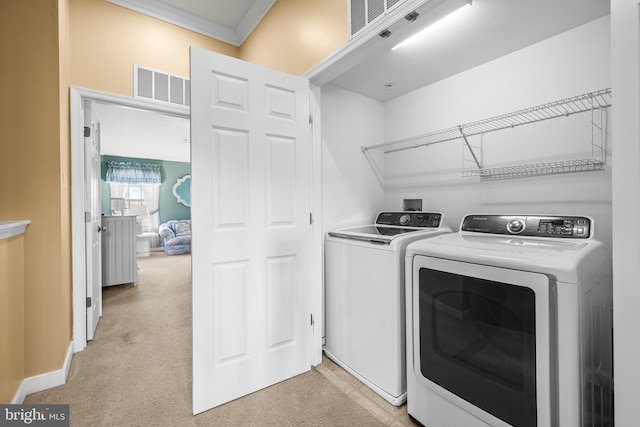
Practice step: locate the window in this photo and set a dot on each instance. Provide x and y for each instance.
(138, 206)
(135, 189)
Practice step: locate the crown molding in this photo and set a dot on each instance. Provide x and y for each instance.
(165, 12)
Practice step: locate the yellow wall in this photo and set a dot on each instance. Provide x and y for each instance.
(53, 44)
(33, 170)
(11, 316)
(296, 35)
(65, 165)
(107, 40)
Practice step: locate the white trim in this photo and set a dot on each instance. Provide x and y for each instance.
(165, 12)
(78, 96)
(78, 269)
(317, 256)
(252, 18)
(126, 101)
(12, 228)
(625, 176)
(181, 18)
(45, 381)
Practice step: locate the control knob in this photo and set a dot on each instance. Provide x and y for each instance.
(515, 226)
(404, 219)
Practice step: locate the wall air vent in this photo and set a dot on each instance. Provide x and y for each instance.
(364, 12)
(160, 86)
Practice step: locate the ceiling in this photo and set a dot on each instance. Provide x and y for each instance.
(230, 21)
(130, 132)
(481, 33)
(485, 31)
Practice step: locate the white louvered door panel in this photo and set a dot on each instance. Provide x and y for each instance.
(391, 3)
(363, 12)
(375, 8)
(357, 16)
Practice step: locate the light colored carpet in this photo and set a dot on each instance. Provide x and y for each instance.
(137, 370)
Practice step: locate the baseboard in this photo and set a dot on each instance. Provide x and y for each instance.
(44, 381)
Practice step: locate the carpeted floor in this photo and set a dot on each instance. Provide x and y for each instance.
(137, 370)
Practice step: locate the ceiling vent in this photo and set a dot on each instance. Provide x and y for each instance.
(364, 12)
(161, 86)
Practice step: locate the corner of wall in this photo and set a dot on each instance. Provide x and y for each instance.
(45, 381)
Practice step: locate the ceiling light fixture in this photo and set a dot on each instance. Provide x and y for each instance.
(430, 27)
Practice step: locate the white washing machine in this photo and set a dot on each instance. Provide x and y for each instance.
(509, 322)
(364, 297)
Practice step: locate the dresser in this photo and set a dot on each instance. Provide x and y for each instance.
(119, 250)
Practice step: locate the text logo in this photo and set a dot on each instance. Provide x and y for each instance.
(34, 415)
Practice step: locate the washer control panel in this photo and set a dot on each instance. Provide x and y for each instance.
(579, 227)
(410, 219)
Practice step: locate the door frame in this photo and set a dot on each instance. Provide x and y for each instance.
(78, 270)
(77, 97)
(317, 232)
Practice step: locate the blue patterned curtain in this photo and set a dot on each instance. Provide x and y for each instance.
(142, 173)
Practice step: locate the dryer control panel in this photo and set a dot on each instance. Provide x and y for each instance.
(575, 227)
(410, 219)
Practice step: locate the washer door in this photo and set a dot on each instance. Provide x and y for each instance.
(482, 339)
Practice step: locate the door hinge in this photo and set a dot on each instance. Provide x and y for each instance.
(87, 131)
(87, 217)
(310, 119)
(311, 319)
(310, 218)
(88, 302)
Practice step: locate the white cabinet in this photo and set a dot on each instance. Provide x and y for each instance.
(119, 250)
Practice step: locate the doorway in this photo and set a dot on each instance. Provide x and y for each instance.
(79, 269)
(78, 96)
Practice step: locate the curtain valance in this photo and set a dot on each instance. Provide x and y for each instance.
(148, 173)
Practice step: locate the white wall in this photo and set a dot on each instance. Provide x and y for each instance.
(352, 192)
(570, 64)
(625, 55)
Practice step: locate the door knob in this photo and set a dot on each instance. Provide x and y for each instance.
(103, 229)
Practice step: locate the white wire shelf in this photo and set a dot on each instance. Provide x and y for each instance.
(535, 169)
(578, 104)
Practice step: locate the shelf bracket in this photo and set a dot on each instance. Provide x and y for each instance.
(473, 154)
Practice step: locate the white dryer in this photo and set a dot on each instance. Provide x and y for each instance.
(509, 322)
(364, 297)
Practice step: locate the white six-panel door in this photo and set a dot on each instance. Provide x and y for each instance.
(93, 224)
(251, 248)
